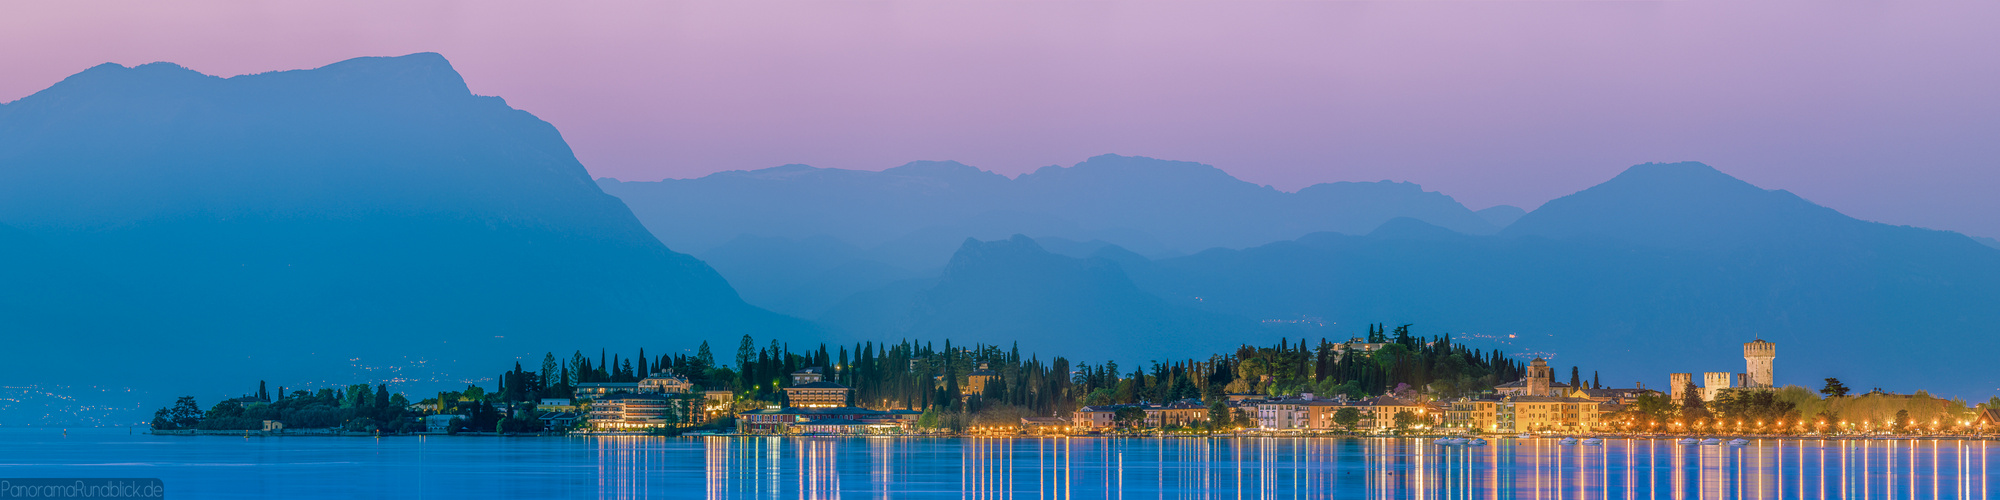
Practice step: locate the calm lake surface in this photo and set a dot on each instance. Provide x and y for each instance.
(1016, 468)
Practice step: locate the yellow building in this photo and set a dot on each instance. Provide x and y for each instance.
(1182, 414)
(1096, 418)
(1475, 415)
(975, 382)
(1546, 414)
(1380, 413)
(1514, 414)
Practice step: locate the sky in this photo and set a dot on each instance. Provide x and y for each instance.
(1886, 111)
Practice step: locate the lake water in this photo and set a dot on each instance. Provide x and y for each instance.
(1017, 468)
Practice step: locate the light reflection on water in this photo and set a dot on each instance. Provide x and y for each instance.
(1005, 468)
(1297, 468)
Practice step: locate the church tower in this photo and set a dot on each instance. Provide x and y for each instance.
(1757, 356)
(1539, 376)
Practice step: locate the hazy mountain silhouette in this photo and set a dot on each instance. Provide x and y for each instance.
(1666, 268)
(1987, 241)
(286, 224)
(1501, 216)
(914, 216)
(1142, 203)
(998, 292)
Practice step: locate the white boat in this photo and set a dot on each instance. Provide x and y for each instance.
(1441, 441)
(1568, 441)
(1594, 442)
(1711, 442)
(1689, 441)
(1476, 442)
(1523, 435)
(1739, 442)
(1456, 441)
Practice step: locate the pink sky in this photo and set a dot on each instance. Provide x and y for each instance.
(1884, 110)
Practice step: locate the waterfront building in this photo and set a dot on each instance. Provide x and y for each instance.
(1183, 413)
(627, 411)
(1380, 412)
(1547, 414)
(1511, 414)
(1284, 415)
(665, 382)
(1476, 415)
(820, 394)
(1096, 418)
(847, 420)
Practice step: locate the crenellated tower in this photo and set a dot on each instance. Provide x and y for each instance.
(1757, 357)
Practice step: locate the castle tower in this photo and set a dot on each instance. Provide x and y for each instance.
(1539, 376)
(1757, 356)
(1678, 385)
(1714, 382)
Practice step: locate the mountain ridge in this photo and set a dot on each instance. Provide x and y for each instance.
(375, 201)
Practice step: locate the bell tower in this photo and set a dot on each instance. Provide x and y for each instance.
(1539, 376)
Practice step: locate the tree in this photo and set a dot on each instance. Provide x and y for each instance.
(184, 414)
(746, 352)
(1575, 378)
(703, 358)
(1219, 415)
(1405, 420)
(1128, 415)
(1834, 388)
(551, 371)
(1348, 417)
(1692, 407)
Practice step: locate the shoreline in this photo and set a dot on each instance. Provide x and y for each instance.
(1650, 437)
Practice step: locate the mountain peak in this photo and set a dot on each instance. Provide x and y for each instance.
(429, 71)
(1677, 205)
(1138, 169)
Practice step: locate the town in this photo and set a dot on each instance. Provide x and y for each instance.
(1383, 384)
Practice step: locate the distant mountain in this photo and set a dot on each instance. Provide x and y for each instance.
(1501, 216)
(914, 216)
(999, 292)
(1987, 241)
(303, 223)
(1666, 268)
(1136, 202)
